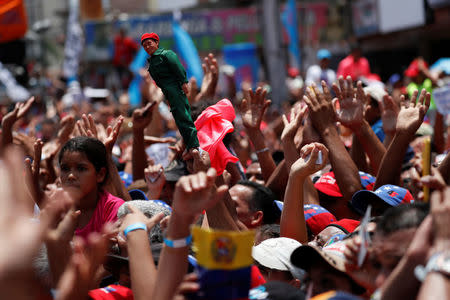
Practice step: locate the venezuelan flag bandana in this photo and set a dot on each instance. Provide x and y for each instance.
(224, 260)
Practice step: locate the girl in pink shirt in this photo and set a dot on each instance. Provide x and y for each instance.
(83, 164)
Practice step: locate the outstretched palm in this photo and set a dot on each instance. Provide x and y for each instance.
(351, 111)
(253, 109)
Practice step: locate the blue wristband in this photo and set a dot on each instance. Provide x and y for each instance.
(180, 243)
(133, 227)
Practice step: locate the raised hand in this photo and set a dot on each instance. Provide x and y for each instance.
(50, 149)
(155, 179)
(34, 169)
(195, 193)
(197, 161)
(211, 76)
(320, 105)
(8, 121)
(193, 90)
(389, 113)
(291, 126)
(253, 109)
(307, 163)
(143, 116)
(351, 111)
(19, 111)
(411, 113)
(112, 133)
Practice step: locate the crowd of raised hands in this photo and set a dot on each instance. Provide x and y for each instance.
(39, 215)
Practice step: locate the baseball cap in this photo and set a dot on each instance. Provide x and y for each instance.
(307, 257)
(275, 253)
(276, 290)
(327, 183)
(137, 194)
(335, 295)
(323, 53)
(390, 194)
(150, 35)
(317, 217)
(346, 225)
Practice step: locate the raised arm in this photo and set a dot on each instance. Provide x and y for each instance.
(293, 224)
(19, 111)
(409, 120)
(351, 115)
(140, 256)
(389, 114)
(323, 118)
(141, 119)
(210, 78)
(193, 194)
(252, 111)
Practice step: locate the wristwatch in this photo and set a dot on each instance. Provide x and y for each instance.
(439, 262)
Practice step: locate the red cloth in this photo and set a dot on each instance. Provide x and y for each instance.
(124, 49)
(112, 292)
(212, 125)
(105, 211)
(348, 66)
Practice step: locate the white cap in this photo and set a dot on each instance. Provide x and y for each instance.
(276, 253)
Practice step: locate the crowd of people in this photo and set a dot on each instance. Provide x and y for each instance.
(345, 186)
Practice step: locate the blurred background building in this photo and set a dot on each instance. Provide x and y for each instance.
(391, 33)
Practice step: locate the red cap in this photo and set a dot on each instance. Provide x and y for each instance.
(346, 225)
(150, 35)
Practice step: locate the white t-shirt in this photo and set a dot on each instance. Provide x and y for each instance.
(316, 74)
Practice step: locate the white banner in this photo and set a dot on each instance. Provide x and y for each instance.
(14, 90)
(74, 42)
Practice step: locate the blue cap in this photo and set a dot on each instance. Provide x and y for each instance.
(323, 53)
(137, 194)
(391, 194)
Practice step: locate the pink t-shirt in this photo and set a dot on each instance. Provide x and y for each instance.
(105, 211)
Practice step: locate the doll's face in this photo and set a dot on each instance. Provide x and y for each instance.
(150, 46)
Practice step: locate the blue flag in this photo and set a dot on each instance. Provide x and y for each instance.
(134, 91)
(289, 20)
(185, 48)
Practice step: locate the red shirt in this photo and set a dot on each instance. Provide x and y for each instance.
(348, 66)
(105, 211)
(124, 49)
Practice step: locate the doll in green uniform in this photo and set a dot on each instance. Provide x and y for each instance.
(168, 73)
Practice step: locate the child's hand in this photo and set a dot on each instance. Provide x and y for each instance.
(307, 164)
